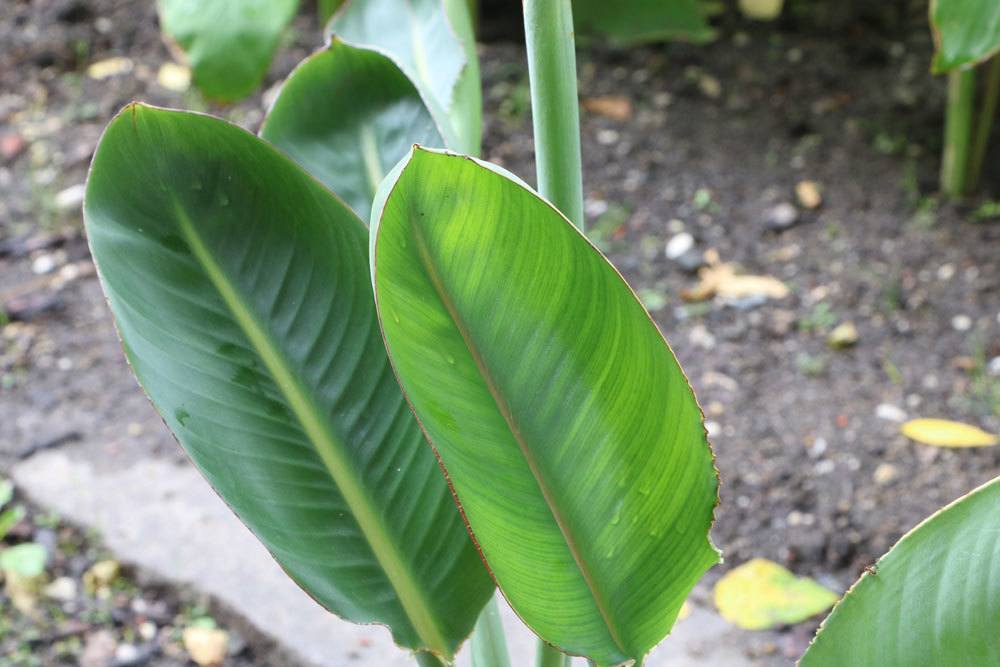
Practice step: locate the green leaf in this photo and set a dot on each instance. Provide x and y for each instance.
(348, 115)
(10, 518)
(6, 491)
(229, 43)
(433, 43)
(934, 599)
(966, 32)
(239, 287)
(639, 21)
(326, 8)
(24, 560)
(568, 431)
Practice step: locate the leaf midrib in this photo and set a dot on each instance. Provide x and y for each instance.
(599, 603)
(331, 450)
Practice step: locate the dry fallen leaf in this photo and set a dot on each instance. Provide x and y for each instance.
(946, 433)
(104, 69)
(722, 280)
(206, 646)
(615, 107)
(760, 594)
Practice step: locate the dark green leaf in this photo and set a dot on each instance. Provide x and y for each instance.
(239, 287)
(433, 43)
(934, 599)
(568, 430)
(229, 43)
(637, 21)
(348, 115)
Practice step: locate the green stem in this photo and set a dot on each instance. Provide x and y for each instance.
(987, 117)
(425, 659)
(551, 657)
(489, 646)
(548, 29)
(958, 132)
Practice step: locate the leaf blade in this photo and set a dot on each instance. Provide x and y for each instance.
(228, 43)
(455, 245)
(934, 598)
(641, 21)
(237, 284)
(371, 116)
(966, 32)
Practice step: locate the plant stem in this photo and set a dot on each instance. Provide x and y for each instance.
(548, 30)
(987, 118)
(425, 659)
(550, 657)
(958, 132)
(489, 647)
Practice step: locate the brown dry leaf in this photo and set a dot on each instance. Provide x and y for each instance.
(615, 107)
(722, 280)
(947, 433)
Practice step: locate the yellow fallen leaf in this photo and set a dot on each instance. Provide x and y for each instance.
(946, 433)
(722, 280)
(684, 612)
(109, 67)
(760, 594)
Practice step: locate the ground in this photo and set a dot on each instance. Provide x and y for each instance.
(703, 141)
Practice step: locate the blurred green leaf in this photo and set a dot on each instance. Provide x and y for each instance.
(966, 32)
(24, 560)
(638, 21)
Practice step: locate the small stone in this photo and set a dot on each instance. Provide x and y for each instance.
(11, 145)
(63, 589)
(607, 137)
(781, 216)
(43, 264)
(691, 261)
(126, 654)
(818, 448)
(808, 193)
(885, 473)
(99, 650)
(700, 337)
(675, 226)
(961, 323)
(890, 413)
(713, 428)
(761, 10)
(662, 100)
(206, 646)
(710, 86)
(174, 77)
(71, 198)
(147, 630)
(946, 272)
(678, 245)
(843, 336)
(993, 367)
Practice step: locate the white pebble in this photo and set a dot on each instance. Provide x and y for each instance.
(679, 245)
(961, 323)
(890, 413)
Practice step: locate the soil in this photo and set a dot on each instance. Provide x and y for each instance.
(87, 609)
(711, 139)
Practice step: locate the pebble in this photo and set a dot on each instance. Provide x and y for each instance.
(946, 272)
(890, 413)
(961, 323)
(885, 473)
(174, 77)
(99, 650)
(761, 10)
(63, 589)
(993, 367)
(678, 245)
(607, 137)
(70, 198)
(781, 216)
(700, 337)
(843, 336)
(43, 264)
(808, 194)
(710, 86)
(713, 428)
(206, 646)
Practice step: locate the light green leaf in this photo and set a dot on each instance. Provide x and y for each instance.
(934, 599)
(10, 518)
(348, 115)
(433, 43)
(568, 431)
(966, 32)
(239, 287)
(229, 43)
(24, 560)
(638, 21)
(6, 491)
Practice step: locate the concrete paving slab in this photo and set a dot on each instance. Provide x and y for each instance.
(163, 518)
